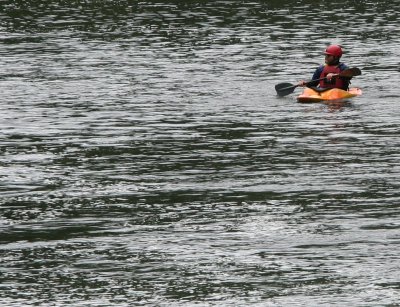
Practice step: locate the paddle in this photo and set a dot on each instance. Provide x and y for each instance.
(283, 89)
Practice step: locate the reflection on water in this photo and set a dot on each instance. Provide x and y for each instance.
(146, 159)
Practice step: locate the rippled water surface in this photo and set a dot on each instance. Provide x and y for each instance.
(145, 159)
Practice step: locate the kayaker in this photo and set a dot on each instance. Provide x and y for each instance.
(332, 67)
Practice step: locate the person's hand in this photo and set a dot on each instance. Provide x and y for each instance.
(302, 83)
(330, 76)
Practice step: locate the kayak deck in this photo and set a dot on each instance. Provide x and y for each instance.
(335, 94)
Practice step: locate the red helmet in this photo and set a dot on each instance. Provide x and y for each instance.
(334, 50)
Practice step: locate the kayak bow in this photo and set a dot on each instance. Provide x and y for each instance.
(335, 94)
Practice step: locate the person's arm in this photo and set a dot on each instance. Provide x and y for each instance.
(343, 67)
(316, 75)
(346, 80)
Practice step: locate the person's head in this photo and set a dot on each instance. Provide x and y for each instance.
(333, 54)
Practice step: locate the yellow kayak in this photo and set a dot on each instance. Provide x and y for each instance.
(335, 94)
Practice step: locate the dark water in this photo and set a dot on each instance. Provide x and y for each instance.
(146, 160)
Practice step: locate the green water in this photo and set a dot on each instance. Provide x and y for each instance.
(145, 159)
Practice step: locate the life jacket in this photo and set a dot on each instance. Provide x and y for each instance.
(335, 82)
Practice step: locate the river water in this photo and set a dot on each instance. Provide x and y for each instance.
(145, 159)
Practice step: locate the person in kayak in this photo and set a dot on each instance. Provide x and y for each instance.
(332, 67)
